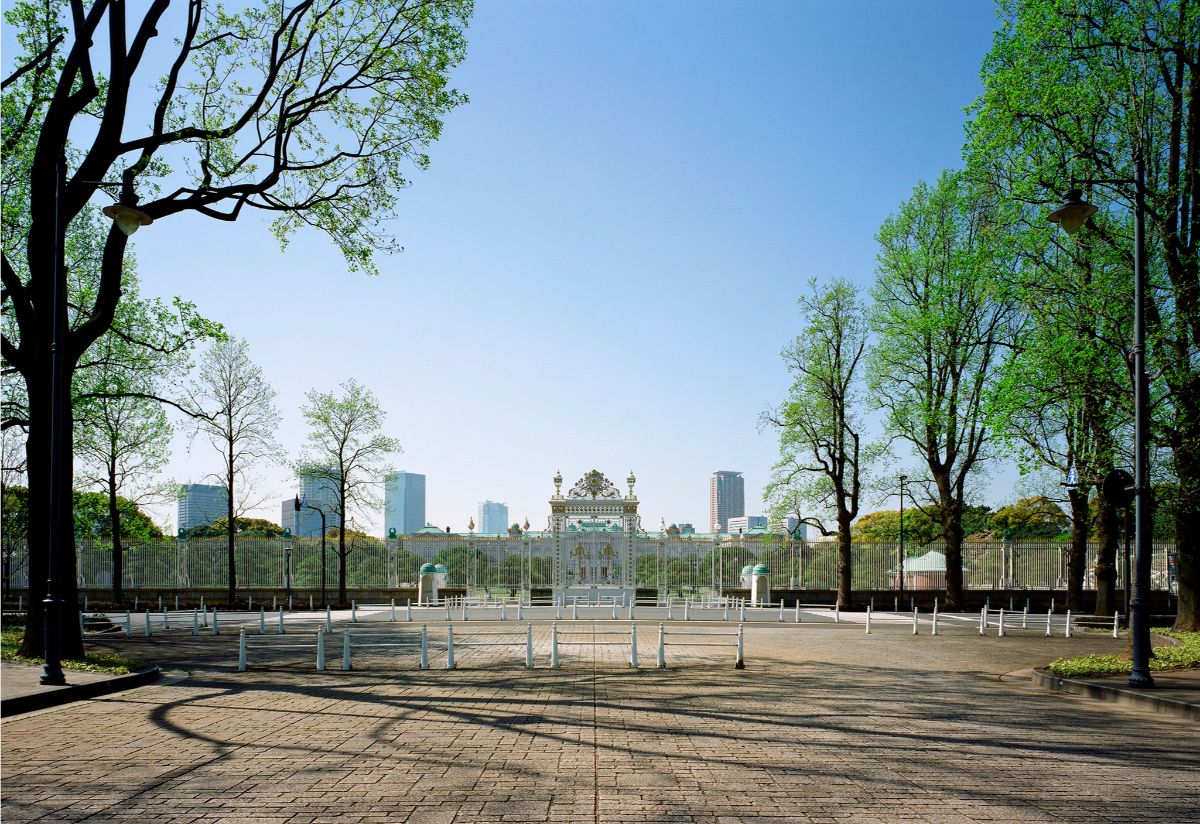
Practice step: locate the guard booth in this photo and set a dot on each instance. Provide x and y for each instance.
(430, 579)
(760, 585)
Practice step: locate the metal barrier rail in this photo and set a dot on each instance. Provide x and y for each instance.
(663, 635)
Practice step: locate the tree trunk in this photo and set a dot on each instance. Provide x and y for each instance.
(1106, 558)
(845, 572)
(1187, 542)
(1077, 550)
(951, 516)
(38, 385)
(231, 525)
(114, 517)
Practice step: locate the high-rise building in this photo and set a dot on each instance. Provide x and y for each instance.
(493, 518)
(201, 504)
(403, 503)
(726, 499)
(745, 523)
(687, 529)
(320, 492)
(790, 525)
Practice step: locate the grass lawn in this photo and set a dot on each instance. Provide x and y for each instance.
(107, 662)
(1183, 656)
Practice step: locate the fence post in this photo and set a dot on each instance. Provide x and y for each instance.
(1049, 613)
(282, 629)
(633, 660)
(741, 661)
(216, 630)
(914, 620)
(554, 646)
(195, 621)
(320, 649)
(868, 632)
(662, 647)
(346, 648)
(1067, 634)
(328, 620)
(1000, 630)
(242, 650)
(262, 621)
(1115, 633)
(354, 612)
(424, 648)
(450, 647)
(529, 646)
(129, 625)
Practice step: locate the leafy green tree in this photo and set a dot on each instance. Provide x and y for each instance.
(1035, 517)
(1073, 90)
(944, 318)
(237, 416)
(242, 526)
(884, 526)
(347, 449)
(310, 112)
(822, 459)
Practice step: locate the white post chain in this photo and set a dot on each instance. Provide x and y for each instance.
(633, 658)
(868, 632)
(424, 648)
(242, 650)
(1049, 614)
(320, 649)
(215, 628)
(554, 646)
(1115, 633)
(282, 629)
(1067, 634)
(129, 624)
(741, 661)
(177, 603)
(529, 646)
(274, 602)
(85, 603)
(1000, 629)
(346, 648)
(203, 613)
(262, 621)
(450, 647)
(662, 647)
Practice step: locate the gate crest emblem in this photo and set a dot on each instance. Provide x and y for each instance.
(594, 485)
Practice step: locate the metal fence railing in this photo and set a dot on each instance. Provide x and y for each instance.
(503, 566)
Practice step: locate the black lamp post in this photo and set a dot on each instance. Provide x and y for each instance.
(903, 478)
(320, 512)
(1071, 216)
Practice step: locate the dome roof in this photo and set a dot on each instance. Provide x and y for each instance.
(440, 568)
(747, 569)
(428, 569)
(761, 569)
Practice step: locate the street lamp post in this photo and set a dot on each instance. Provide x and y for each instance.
(1073, 213)
(903, 478)
(320, 512)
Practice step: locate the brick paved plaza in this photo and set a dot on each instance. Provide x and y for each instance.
(825, 724)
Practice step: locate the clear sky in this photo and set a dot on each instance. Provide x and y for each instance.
(602, 262)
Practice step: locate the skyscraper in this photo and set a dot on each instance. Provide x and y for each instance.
(493, 518)
(404, 503)
(321, 493)
(726, 499)
(201, 504)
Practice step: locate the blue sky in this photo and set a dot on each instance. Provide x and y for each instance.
(602, 262)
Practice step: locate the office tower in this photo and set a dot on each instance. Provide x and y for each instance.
(687, 529)
(320, 492)
(201, 504)
(403, 503)
(790, 525)
(745, 523)
(726, 499)
(493, 518)
(287, 515)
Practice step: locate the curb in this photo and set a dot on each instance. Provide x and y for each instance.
(53, 697)
(1117, 695)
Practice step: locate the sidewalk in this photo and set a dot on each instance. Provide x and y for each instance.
(20, 691)
(1175, 692)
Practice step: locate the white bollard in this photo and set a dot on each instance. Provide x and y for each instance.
(195, 621)
(250, 602)
(290, 607)
(518, 610)
(933, 627)
(629, 608)
(685, 609)
(20, 603)
(450, 647)
(1067, 634)
(781, 610)
(868, 632)
(203, 613)
(662, 647)
(447, 609)
(633, 658)
(1049, 613)
(741, 661)
(160, 603)
(354, 612)
(614, 609)
(129, 625)
(895, 603)
(837, 612)
(149, 632)
(982, 620)
(797, 610)
(166, 619)
(393, 610)
(914, 620)
(574, 609)
(310, 603)
(1115, 632)
(464, 608)
(346, 648)
(81, 622)
(320, 649)
(558, 612)
(554, 646)
(242, 650)
(262, 621)
(1025, 617)
(529, 646)
(726, 615)
(274, 602)
(669, 616)
(85, 604)
(424, 648)
(503, 612)
(135, 602)
(282, 629)
(741, 614)
(216, 630)
(1000, 626)
(408, 611)
(328, 619)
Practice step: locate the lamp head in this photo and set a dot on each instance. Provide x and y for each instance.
(1073, 212)
(127, 218)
